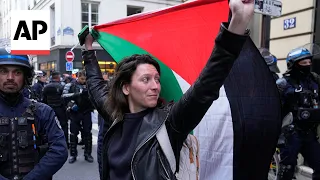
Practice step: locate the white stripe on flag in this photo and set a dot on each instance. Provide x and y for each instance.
(215, 135)
(184, 85)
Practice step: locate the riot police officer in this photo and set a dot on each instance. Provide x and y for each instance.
(69, 81)
(52, 93)
(38, 86)
(271, 61)
(29, 130)
(299, 89)
(80, 114)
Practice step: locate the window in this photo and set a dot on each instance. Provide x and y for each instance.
(89, 14)
(78, 65)
(43, 66)
(49, 66)
(134, 10)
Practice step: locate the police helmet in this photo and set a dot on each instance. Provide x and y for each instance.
(272, 63)
(297, 55)
(42, 74)
(270, 59)
(6, 58)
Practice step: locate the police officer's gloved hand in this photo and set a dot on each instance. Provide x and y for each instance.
(74, 108)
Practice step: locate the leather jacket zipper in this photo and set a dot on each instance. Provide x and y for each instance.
(165, 170)
(151, 136)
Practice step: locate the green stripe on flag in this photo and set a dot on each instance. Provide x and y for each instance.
(119, 48)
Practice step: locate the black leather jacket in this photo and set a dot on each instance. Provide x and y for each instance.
(148, 161)
(52, 94)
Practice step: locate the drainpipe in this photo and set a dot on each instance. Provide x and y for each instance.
(265, 31)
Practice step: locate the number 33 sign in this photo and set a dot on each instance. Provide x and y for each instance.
(289, 23)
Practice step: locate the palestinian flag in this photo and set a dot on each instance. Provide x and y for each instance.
(239, 132)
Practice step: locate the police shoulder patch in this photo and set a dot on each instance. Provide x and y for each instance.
(57, 122)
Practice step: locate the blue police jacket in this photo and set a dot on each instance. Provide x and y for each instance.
(57, 153)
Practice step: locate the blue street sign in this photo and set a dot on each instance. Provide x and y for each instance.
(289, 23)
(68, 31)
(69, 66)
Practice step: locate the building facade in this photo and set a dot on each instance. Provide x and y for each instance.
(316, 59)
(295, 28)
(5, 14)
(1, 19)
(256, 33)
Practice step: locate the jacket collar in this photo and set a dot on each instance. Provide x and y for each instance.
(151, 123)
(11, 100)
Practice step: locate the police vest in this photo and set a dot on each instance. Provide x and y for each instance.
(306, 108)
(19, 141)
(82, 101)
(53, 94)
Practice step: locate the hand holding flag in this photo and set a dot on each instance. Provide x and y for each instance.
(88, 42)
(242, 12)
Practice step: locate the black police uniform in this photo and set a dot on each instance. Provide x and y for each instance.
(80, 114)
(52, 93)
(299, 89)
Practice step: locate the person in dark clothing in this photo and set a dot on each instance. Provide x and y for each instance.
(80, 114)
(130, 147)
(68, 83)
(299, 89)
(52, 93)
(38, 86)
(26, 92)
(32, 144)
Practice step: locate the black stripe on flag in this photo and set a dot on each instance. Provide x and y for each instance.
(256, 114)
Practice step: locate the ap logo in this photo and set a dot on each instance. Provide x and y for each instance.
(30, 31)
